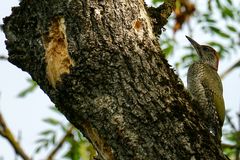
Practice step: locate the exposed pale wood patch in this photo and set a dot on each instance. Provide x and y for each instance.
(137, 25)
(104, 150)
(56, 52)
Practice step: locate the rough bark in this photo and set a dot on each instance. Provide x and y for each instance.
(101, 64)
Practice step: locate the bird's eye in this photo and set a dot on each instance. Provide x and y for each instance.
(205, 49)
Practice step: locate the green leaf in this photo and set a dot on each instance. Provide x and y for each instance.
(45, 145)
(216, 44)
(229, 151)
(38, 149)
(218, 4)
(28, 90)
(168, 50)
(73, 153)
(229, 2)
(209, 20)
(79, 134)
(53, 139)
(51, 121)
(64, 127)
(219, 32)
(207, 17)
(54, 109)
(226, 12)
(42, 140)
(209, 6)
(157, 1)
(47, 132)
(231, 28)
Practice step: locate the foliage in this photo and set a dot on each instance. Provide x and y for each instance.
(79, 146)
(29, 89)
(217, 20)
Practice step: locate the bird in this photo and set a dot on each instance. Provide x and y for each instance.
(205, 87)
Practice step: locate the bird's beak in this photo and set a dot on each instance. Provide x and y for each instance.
(195, 45)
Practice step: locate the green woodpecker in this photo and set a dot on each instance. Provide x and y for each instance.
(205, 86)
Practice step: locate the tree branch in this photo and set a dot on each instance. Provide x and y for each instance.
(6, 132)
(161, 14)
(230, 69)
(231, 123)
(3, 57)
(60, 144)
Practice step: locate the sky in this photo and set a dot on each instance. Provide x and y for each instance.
(24, 115)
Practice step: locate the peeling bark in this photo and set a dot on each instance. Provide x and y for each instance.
(116, 87)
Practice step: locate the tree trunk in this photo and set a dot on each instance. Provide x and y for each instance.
(100, 62)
